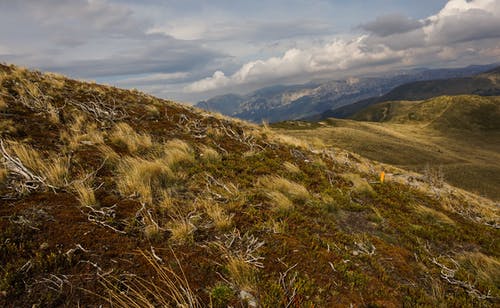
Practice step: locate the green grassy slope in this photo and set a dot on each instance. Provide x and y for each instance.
(485, 84)
(459, 134)
(116, 198)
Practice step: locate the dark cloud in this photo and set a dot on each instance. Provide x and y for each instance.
(391, 24)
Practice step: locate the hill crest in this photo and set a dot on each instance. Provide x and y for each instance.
(114, 197)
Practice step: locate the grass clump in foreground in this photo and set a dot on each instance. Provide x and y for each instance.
(169, 288)
(142, 178)
(53, 171)
(85, 194)
(289, 188)
(124, 136)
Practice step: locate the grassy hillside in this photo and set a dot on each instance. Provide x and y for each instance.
(485, 84)
(116, 198)
(459, 135)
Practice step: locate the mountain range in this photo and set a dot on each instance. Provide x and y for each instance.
(286, 102)
(485, 84)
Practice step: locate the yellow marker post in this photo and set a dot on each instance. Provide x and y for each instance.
(382, 177)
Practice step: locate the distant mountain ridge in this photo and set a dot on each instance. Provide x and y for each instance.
(288, 102)
(484, 84)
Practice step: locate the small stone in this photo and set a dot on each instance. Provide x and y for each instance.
(248, 298)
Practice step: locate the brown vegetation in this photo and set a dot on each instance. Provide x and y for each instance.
(182, 208)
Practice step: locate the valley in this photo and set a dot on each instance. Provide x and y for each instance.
(442, 134)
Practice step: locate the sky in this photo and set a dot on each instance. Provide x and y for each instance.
(189, 50)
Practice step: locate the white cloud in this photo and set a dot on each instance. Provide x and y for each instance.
(217, 80)
(336, 56)
(461, 28)
(462, 20)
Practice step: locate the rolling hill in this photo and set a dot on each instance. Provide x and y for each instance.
(486, 84)
(279, 103)
(460, 135)
(112, 197)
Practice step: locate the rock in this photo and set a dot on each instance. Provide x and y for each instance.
(248, 298)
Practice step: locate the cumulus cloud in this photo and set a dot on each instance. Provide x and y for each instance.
(461, 30)
(336, 56)
(462, 20)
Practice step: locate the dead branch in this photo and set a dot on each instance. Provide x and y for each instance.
(29, 180)
(100, 110)
(287, 283)
(448, 275)
(102, 217)
(246, 247)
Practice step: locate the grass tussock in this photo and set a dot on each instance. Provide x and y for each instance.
(112, 158)
(54, 170)
(182, 229)
(432, 214)
(85, 193)
(142, 178)
(169, 289)
(124, 136)
(291, 167)
(3, 175)
(152, 111)
(7, 127)
(242, 274)
(208, 154)
(82, 133)
(289, 188)
(280, 202)
(221, 220)
(3, 104)
(175, 152)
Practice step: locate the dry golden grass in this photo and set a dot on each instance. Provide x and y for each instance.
(85, 193)
(242, 274)
(360, 184)
(142, 178)
(7, 127)
(221, 220)
(109, 154)
(55, 169)
(52, 114)
(429, 213)
(82, 133)
(181, 229)
(152, 111)
(166, 202)
(209, 154)
(291, 167)
(3, 175)
(152, 231)
(275, 226)
(123, 135)
(289, 188)
(170, 289)
(176, 151)
(280, 202)
(485, 269)
(3, 104)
